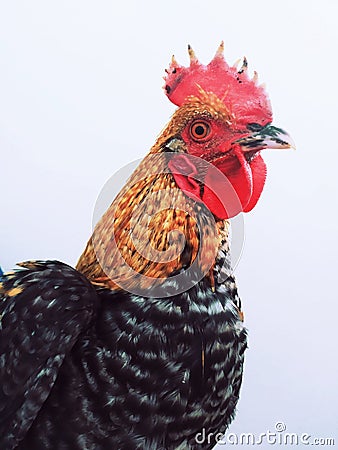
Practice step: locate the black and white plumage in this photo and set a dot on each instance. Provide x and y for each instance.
(93, 369)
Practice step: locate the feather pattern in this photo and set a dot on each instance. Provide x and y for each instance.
(95, 358)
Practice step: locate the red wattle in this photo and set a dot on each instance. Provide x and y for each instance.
(258, 169)
(220, 195)
(227, 187)
(238, 172)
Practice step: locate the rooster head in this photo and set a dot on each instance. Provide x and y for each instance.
(223, 122)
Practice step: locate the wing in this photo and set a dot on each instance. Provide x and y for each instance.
(43, 309)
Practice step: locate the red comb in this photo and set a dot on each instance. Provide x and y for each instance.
(247, 101)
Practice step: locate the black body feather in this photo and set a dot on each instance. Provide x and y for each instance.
(82, 368)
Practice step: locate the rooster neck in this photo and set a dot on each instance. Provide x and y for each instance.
(151, 231)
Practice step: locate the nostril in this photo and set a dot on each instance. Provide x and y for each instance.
(254, 126)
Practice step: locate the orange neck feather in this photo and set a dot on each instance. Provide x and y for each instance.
(145, 234)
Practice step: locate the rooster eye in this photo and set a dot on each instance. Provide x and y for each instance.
(199, 130)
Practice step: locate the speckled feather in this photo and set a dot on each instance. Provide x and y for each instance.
(43, 310)
(97, 369)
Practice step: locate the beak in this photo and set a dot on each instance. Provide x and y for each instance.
(266, 137)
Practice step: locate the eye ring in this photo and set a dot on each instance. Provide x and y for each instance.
(199, 130)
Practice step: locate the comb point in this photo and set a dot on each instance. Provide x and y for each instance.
(244, 67)
(236, 63)
(173, 61)
(220, 51)
(192, 55)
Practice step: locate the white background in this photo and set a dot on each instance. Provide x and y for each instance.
(80, 97)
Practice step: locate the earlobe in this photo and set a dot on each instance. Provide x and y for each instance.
(185, 174)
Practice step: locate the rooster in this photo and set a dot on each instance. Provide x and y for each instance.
(142, 345)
